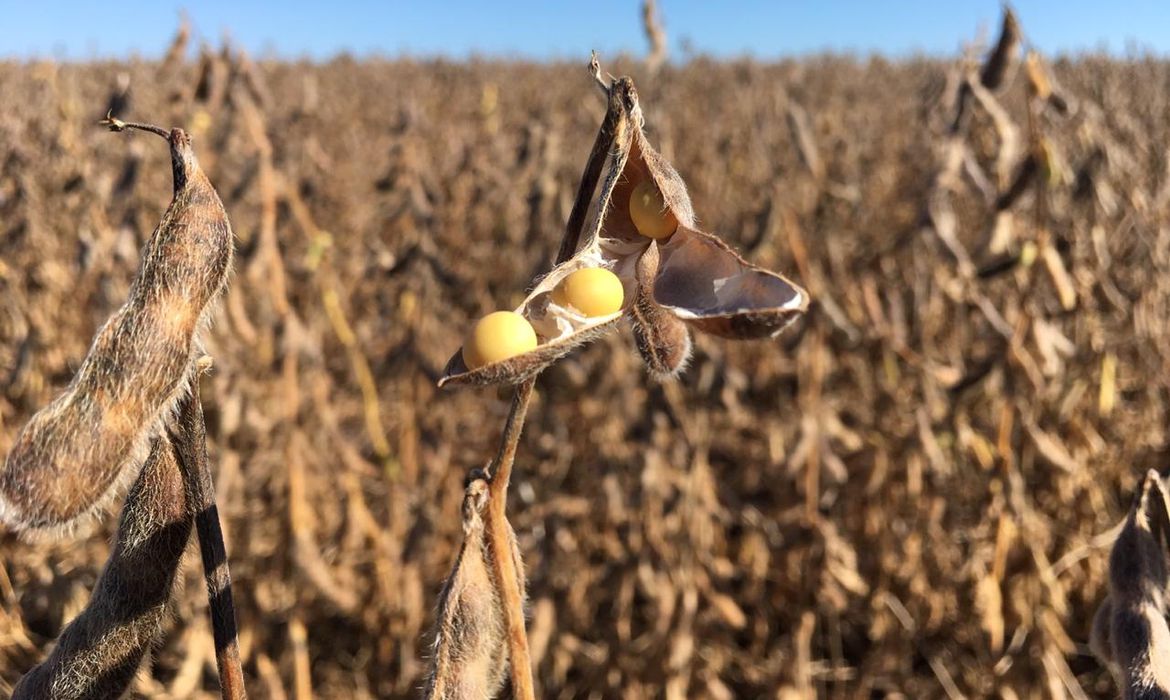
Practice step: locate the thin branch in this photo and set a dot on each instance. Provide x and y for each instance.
(595, 71)
(114, 124)
(190, 438)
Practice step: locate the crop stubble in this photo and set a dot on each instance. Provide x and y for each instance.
(815, 513)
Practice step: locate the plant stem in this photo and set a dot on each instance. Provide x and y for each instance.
(114, 124)
(500, 544)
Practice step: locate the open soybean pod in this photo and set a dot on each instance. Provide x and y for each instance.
(699, 278)
(673, 276)
(558, 329)
(72, 454)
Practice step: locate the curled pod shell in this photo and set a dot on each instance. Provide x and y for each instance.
(69, 459)
(643, 220)
(702, 281)
(663, 341)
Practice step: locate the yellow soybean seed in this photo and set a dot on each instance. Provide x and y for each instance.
(649, 213)
(496, 337)
(593, 291)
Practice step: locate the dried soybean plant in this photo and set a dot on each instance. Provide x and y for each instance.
(642, 258)
(132, 413)
(1130, 631)
(655, 35)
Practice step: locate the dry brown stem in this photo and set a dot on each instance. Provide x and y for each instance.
(190, 438)
(114, 124)
(500, 544)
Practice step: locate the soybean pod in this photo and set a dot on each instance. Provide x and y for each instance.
(74, 454)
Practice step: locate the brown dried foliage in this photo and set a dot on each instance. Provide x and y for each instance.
(815, 519)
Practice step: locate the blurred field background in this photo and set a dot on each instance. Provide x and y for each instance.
(910, 494)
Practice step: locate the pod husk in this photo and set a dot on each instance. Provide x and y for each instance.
(470, 657)
(702, 281)
(663, 341)
(75, 453)
(1130, 631)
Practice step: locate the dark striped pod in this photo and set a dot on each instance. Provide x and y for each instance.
(1004, 57)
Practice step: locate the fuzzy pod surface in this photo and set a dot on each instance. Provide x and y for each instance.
(73, 454)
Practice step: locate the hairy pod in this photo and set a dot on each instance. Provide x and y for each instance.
(663, 341)
(1138, 637)
(100, 651)
(470, 650)
(69, 459)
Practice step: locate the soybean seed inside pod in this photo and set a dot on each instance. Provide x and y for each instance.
(497, 337)
(649, 212)
(592, 291)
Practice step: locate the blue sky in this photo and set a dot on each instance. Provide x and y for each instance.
(568, 29)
